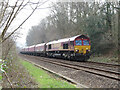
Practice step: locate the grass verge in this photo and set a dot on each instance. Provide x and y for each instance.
(43, 79)
(104, 59)
(0, 77)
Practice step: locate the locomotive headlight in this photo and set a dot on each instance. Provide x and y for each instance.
(86, 48)
(77, 50)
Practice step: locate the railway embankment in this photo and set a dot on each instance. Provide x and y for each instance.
(81, 77)
(45, 79)
(21, 74)
(15, 75)
(0, 75)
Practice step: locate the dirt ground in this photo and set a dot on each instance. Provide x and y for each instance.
(18, 75)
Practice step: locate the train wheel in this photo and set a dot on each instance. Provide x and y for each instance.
(69, 57)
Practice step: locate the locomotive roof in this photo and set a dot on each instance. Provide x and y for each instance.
(64, 40)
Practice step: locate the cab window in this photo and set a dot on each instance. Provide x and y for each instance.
(78, 42)
(49, 46)
(65, 46)
(72, 43)
(85, 42)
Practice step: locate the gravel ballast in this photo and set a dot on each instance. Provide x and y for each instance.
(82, 77)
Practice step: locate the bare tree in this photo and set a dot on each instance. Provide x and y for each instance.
(9, 10)
(6, 46)
(8, 14)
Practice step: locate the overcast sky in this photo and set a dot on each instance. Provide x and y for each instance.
(35, 19)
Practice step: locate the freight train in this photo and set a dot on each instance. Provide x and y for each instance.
(73, 48)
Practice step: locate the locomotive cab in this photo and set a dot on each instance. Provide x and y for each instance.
(82, 46)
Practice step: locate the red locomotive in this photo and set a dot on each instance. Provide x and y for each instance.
(77, 47)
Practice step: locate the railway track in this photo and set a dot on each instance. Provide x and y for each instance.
(111, 67)
(97, 71)
(105, 64)
(96, 65)
(91, 62)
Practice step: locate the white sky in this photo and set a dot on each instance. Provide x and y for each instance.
(35, 19)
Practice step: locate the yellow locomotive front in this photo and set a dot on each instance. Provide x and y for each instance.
(82, 47)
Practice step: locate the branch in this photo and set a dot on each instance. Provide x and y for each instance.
(9, 47)
(3, 39)
(6, 26)
(4, 22)
(2, 15)
(14, 15)
(20, 24)
(8, 80)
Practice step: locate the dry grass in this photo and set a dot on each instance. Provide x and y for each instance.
(104, 59)
(17, 74)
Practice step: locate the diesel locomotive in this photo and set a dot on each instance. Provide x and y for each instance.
(77, 48)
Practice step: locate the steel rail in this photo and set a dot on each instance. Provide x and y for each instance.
(100, 63)
(111, 71)
(108, 64)
(100, 72)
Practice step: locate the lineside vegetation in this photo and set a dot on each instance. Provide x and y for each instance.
(44, 79)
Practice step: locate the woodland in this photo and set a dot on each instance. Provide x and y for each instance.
(99, 21)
